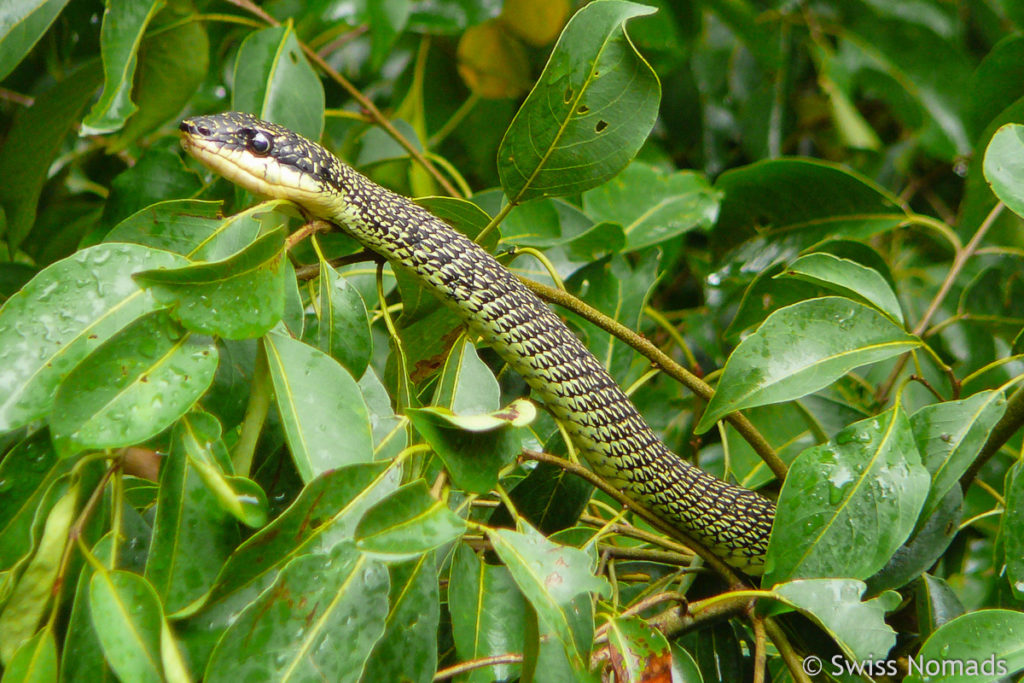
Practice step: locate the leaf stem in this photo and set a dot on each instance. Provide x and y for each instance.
(255, 415)
(453, 671)
(495, 222)
(698, 386)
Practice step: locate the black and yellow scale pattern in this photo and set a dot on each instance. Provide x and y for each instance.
(605, 426)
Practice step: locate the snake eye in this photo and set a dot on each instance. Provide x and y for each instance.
(259, 143)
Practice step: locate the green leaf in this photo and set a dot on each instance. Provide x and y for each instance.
(636, 649)
(33, 591)
(774, 209)
(466, 385)
(318, 621)
(124, 24)
(243, 498)
(322, 409)
(474, 448)
(239, 297)
(164, 82)
(981, 646)
(848, 278)
(1004, 166)
(653, 206)
(33, 141)
(406, 523)
(192, 534)
(949, 437)
(1011, 529)
(848, 504)
(159, 175)
(549, 498)
(389, 433)
(344, 329)
(550, 576)
(26, 474)
(133, 386)
(64, 313)
(835, 604)
(588, 114)
(800, 349)
(127, 617)
(408, 649)
(35, 661)
(273, 80)
(177, 225)
(936, 604)
(488, 614)
(24, 23)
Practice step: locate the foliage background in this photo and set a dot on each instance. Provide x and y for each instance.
(229, 449)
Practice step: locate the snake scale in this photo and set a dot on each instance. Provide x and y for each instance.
(267, 159)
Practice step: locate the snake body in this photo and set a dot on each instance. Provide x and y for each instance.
(733, 522)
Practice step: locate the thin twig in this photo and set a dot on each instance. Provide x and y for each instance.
(360, 98)
(1006, 427)
(453, 671)
(698, 386)
(789, 655)
(724, 570)
(959, 261)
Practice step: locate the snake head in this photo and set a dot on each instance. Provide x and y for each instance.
(264, 158)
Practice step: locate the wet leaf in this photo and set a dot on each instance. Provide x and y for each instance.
(1004, 168)
(408, 522)
(653, 206)
(936, 604)
(273, 80)
(835, 604)
(550, 576)
(989, 639)
(192, 533)
(488, 614)
(124, 24)
(344, 329)
(176, 225)
(133, 386)
(319, 620)
(36, 660)
(239, 297)
(803, 348)
(848, 504)
(127, 617)
(408, 649)
(64, 313)
(33, 591)
(322, 409)
(848, 278)
(949, 437)
(589, 112)
(24, 23)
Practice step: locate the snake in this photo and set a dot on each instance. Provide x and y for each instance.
(732, 522)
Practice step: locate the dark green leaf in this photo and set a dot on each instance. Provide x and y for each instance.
(23, 24)
(1011, 529)
(653, 206)
(408, 649)
(835, 604)
(319, 620)
(848, 504)
(406, 523)
(133, 386)
(344, 330)
(124, 24)
(589, 112)
(274, 81)
(239, 297)
(322, 409)
(26, 473)
(34, 139)
(988, 639)
(488, 614)
(803, 348)
(936, 604)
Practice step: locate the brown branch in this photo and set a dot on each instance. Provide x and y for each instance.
(453, 671)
